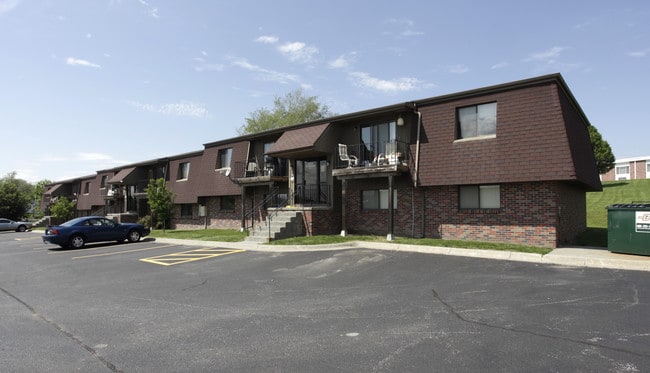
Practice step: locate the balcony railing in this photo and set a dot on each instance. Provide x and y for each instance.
(257, 169)
(375, 154)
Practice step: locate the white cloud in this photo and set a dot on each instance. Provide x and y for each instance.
(298, 51)
(78, 62)
(406, 28)
(342, 61)
(458, 69)
(7, 6)
(547, 55)
(183, 109)
(395, 85)
(641, 53)
(266, 74)
(499, 65)
(203, 65)
(89, 36)
(151, 11)
(267, 39)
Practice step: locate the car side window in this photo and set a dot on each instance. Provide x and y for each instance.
(107, 223)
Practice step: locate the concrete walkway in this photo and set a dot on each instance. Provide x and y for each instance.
(595, 257)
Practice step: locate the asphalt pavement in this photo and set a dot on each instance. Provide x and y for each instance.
(576, 256)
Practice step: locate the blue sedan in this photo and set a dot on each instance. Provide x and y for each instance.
(77, 232)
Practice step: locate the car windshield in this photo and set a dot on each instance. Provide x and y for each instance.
(72, 222)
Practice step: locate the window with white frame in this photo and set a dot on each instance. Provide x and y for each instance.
(87, 187)
(377, 199)
(647, 169)
(183, 171)
(477, 120)
(102, 184)
(480, 197)
(622, 172)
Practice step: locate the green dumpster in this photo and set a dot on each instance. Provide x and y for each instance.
(628, 228)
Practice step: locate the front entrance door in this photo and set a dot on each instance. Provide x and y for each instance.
(312, 187)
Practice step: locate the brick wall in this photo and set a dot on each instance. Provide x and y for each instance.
(528, 213)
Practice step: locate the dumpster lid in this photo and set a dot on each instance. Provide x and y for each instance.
(632, 205)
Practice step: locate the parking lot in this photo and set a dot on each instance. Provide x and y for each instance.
(152, 306)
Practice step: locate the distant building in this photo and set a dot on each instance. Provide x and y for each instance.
(629, 169)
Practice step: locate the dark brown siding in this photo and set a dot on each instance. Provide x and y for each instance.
(212, 183)
(95, 196)
(531, 142)
(185, 190)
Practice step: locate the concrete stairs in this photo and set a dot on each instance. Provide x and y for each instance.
(278, 225)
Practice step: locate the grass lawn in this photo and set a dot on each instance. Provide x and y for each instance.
(222, 235)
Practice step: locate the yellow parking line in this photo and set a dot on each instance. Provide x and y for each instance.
(121, 252)
(188, 256)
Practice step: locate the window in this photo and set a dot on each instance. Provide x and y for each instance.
(477, 120)
(622, 172)
(224, 157)
(377, 199)
(102, 185)
(647, 169)
(375, 136)
(183, 171)
(480, 197)
(87, 187)
(227, 203)
(186, 210)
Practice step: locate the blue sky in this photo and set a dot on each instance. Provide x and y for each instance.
(91, 85)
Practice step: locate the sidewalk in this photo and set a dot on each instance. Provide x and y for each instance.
(594, 257)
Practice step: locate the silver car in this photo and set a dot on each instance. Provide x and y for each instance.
(10, 225)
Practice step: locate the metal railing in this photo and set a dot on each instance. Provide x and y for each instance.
(277, 197)
(376, 154)
(312, 194)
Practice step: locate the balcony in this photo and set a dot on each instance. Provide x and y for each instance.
(371, 160)
(254, 173)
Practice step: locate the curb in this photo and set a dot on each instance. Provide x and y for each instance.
(567, 256)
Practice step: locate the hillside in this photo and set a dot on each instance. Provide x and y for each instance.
(614, 192)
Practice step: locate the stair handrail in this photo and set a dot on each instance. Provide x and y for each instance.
(257, 208)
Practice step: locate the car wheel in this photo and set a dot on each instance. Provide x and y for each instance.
(21, 228)
(77, 242)
(134, 236)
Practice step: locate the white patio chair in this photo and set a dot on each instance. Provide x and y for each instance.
(343, 154)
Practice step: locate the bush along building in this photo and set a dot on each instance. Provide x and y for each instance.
(507, 163)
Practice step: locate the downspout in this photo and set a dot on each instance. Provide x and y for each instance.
(417, 147)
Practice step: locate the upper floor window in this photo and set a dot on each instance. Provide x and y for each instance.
(480, 197)
(183, 171)
(224, 157)
(375, 136)
(102, 185)
(477, 120)
(87, 187)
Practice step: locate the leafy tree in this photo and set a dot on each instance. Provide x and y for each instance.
(605, 159)
(37, 196)
(293, 108)
(161, 201)
(15, 196)
(63, 209)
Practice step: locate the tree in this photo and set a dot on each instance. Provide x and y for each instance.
(161, 201)
(37, 196)
(293, 108)
(605, 159)
(15, 196)
(62, 209)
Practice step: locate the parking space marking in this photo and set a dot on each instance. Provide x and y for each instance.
(188, 256)
(121, 252)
